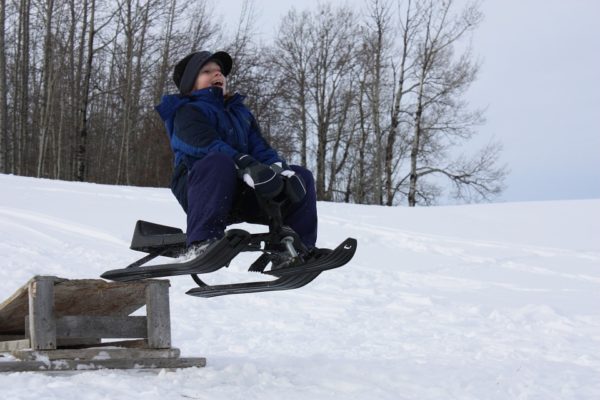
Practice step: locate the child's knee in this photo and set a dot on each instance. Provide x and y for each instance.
(305, 174)
(214, 165)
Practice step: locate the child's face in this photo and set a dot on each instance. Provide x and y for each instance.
(210, 75)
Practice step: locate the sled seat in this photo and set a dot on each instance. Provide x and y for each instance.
(152, 238)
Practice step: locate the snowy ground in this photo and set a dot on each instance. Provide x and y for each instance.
(469, 302)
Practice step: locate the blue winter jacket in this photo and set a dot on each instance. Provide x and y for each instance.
(205, 122)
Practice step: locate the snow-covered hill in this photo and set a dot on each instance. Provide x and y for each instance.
(494, 301)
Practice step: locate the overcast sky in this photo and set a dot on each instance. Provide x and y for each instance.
(540, 82)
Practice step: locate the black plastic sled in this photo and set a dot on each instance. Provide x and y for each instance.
(282, 255)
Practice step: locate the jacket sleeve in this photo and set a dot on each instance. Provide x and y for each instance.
(195, 136)
(258, 146)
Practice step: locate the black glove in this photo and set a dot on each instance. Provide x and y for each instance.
(260, 177)
(295, 187)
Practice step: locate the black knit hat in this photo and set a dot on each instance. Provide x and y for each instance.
(186, 70)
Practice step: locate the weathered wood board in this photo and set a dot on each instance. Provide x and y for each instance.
(95, 353)
(87, 365)
(95, 297)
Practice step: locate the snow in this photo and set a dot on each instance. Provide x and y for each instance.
(497, 301)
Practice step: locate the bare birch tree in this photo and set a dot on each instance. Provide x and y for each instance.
(442, 118)
(385, 64)
(378, 25)
(291, 58)
(396, 148)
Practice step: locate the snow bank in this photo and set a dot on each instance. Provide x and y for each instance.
(496, 301)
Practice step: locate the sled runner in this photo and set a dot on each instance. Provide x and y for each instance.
(280, 249)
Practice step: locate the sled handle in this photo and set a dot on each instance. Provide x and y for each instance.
(279, 232)
(273, 210)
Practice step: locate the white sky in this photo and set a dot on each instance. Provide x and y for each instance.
(539, 81)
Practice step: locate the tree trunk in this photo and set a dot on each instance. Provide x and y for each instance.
(109, 114)
(81, 158)
(375, 112)
(59, 144)
(416, 143)
(4, 136)
(165, 61)
(303, 121)
(340, 138)
(321, 157)
(123, 163)
(22, 95)
(134, 165)
(72, 128)
(361, 187)
(47, 89)
(390, 185)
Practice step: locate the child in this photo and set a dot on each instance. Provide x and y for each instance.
(215, 140)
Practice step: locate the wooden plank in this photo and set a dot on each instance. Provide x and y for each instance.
(99, 298)
(11, 345)
(95, 297)
(103, 327)
(77, 342)
(14, 309)
(67, 341)
(137, 344)
(4, 338)
(42, 325)
(22, 366)
(81, 365)
(159, 318)
(95, 354)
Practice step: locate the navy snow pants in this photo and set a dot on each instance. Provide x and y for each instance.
(216, 198)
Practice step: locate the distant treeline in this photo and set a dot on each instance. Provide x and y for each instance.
(370, 99)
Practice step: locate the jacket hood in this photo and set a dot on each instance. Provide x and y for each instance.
(169, 104)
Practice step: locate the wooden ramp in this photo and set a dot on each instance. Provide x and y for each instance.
(52, 323)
